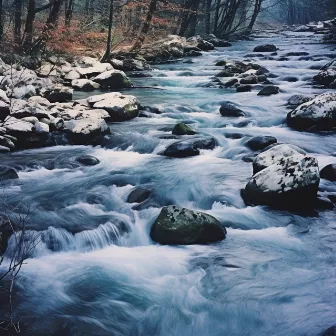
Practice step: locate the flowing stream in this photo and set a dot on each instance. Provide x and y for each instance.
(97, 272)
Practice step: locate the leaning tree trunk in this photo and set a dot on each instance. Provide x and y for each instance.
(257, 8)
(145, 28)
(107, 54)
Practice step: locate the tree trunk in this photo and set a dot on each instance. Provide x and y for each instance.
(145, 28)
(257, 8)
(17, 22)
(1, 21)
(208, 16)
(107, 54)
(49, 25)
(68, 13)
(28, 35)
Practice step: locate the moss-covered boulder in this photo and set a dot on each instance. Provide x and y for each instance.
(183, 129)
(180, 226)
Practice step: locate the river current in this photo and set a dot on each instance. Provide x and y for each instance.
(96, 271)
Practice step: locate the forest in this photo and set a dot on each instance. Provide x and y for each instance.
(77, 26)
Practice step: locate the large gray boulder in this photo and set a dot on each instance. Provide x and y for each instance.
(317, 114)
(113, 79)
(86, 131)
(180, 226)
(287, 181)
(120, 107)
(276, 154)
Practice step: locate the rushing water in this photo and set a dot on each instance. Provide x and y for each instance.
(96, 270)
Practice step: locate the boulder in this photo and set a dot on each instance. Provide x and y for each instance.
(181, 226)
(189, 147)
(231, 82)
(95, 69)
(269, 90)
(72, 75)
(329, 172)
(290, 183)
(7, 173)
(275, 155)
(244, 88)
(4, 149)
(88, 160)
(297, 100)
(330, 331)
(113, 79)
(200, 43)
(325, 77)
(260, 142)
(229, 109)
(120, 107)
(265, 48)
(138, 195)
(86, 131)
(249, 80)
(4, 110)
(317, 114)
(182, 129)
(59, 94)
(84, 85)
(220, 63)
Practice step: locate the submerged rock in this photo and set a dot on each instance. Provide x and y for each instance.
(317, 114)
(180, 226)
(88, 160)
(138, 195)
(189, 147)
(183, 129)
(329, 172)
(265, 48)
(7, 173)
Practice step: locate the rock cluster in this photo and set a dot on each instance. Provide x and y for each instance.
(175, 46)
(37, 122)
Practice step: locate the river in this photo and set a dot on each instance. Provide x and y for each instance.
(97, 272)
